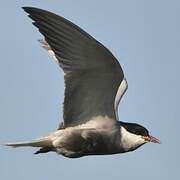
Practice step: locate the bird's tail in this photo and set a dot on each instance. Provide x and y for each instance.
(42, 142)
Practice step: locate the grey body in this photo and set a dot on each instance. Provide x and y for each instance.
(101, 138)
(77, 142)
(94, 85)
(81, 142)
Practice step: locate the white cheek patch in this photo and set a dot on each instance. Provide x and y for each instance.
(129, 140)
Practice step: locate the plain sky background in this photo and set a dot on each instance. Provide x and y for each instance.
(144, 36)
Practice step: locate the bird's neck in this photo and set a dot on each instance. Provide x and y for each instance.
(129, 141)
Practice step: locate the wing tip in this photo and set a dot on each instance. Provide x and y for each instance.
(27, 9)
(32, 10)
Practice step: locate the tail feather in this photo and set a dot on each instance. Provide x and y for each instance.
(36, 143)
(44, 150)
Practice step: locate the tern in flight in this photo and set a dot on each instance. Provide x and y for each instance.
(94, 85)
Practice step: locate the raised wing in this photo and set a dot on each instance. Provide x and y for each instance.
(92, 73)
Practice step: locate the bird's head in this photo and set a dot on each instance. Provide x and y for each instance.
(134, 135)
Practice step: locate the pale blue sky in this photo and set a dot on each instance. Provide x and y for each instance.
(145, 38)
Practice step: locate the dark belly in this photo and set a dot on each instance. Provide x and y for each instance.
(89, 142)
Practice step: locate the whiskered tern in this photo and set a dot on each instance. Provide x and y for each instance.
(94, 85)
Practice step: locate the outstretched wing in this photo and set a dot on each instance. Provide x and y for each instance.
(92, 74)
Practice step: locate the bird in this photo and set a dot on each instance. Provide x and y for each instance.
(94, 85)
